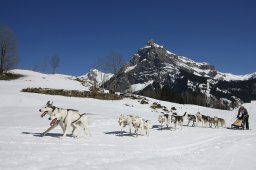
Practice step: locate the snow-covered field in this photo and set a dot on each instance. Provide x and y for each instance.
(21, 146)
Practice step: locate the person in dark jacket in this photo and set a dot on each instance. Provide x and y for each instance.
(243, 115)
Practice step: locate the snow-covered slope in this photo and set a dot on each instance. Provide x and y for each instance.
(95, 77)
(35, 79)
(195, 148)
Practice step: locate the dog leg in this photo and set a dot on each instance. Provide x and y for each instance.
(85, 123)
(130, 129)
(72, 133)
(75, 126)
(62, 126)
(68, 123)
(122, 127)
(87, 130)
(49, 129)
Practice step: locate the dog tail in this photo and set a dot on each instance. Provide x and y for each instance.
(184, 114)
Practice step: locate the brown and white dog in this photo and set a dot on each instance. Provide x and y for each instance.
(219, 122)
(202, 118)
(211, 121)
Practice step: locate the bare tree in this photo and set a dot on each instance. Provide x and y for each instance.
(9, 57)
(112, 64)
(54, 63)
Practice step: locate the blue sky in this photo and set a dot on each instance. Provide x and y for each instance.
(222, 33)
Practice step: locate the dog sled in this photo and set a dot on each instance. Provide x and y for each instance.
(239, 123)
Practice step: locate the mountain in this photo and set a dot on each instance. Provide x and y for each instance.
(94, 77)
(156, 72)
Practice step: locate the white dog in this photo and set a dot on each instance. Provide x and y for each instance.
(124, 120)
(51, 111)
(138, 124)
(164, 119)
(141, 124)
(146, 126)
(70, 118)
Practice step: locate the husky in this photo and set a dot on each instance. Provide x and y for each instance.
(138, 124)
(202, 118)
(219, 121)
(211, 122)
(177, 119)
(124, 121)
(222, 122)
(71, 118)
(164, 118)
(146, 126)
(191, 118)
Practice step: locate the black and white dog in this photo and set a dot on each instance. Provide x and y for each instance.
(191, 118)
(178, 119)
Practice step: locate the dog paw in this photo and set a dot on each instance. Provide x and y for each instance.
(61, 137)
(75, 136)
(42, 134)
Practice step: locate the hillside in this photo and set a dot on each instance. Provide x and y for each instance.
(197, 148)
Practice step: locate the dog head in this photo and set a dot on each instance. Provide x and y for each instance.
(47, 109)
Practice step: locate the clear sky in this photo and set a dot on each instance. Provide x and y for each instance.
(220, 32)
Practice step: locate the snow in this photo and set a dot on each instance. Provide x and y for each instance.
(194, 148)
(232, 77)
(95, 76)
(128, 69)
(35, 79)
(168, 52)
(140, 86)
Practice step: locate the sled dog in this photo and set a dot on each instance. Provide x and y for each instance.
(178, 119)
(164, 119)
(191, 118)
(202, 118)
(124, 121)
(51, 111)
(70, 118)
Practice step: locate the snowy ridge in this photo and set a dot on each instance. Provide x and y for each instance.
(232, 77)
(95, 77)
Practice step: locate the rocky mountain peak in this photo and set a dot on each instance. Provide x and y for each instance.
(156, 72)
